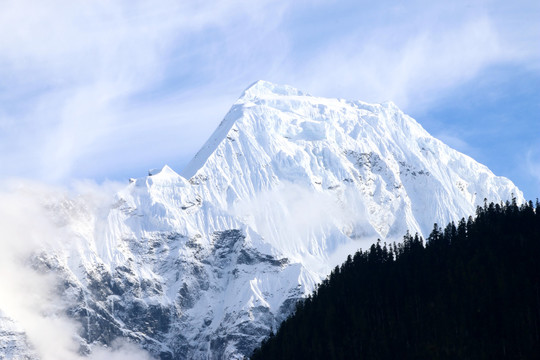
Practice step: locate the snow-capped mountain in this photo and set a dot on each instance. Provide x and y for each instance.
(202, 264)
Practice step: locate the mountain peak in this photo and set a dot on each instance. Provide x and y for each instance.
(262, 89)
(259, 90)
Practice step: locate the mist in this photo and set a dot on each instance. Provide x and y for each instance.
(32, 224)
(297, 220)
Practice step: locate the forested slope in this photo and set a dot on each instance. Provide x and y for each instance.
(472, 291)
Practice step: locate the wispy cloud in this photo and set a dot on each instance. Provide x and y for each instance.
(457, 142)
(411, 69)
(87, 86)
(30, 297)
(74, 70)
(533, 166)
(305, 216)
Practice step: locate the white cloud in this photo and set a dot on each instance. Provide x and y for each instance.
(304, 217)
(26, 295)
(533, 166)
(86, 84)
(410, 70)
(120, 350)
(457, 142)
(75, 69)
(29, 297)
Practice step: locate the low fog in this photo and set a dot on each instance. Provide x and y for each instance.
(30, 296)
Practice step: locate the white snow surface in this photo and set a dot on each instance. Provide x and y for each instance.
(286, 187)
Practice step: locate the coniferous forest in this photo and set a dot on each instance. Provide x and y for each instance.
(471, 291)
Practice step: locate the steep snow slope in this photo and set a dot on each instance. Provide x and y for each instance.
(202, 265)
(400, 176)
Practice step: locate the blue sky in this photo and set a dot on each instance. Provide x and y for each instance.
(107, 89)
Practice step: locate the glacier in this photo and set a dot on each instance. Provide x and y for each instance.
(202, 264)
